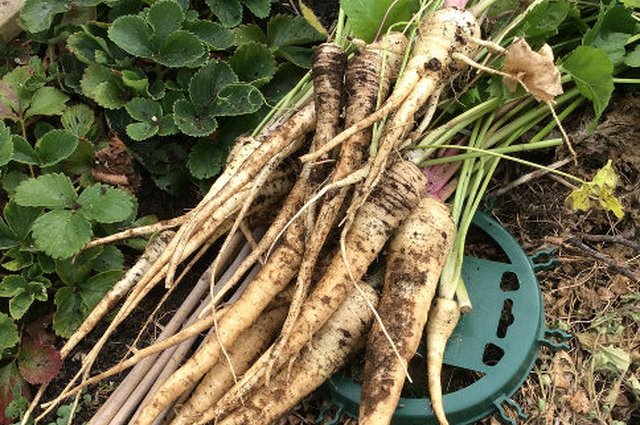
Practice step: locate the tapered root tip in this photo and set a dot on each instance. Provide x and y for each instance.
(443, 319)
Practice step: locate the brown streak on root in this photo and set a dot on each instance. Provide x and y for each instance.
(415, 259)
(389, 204)
(329, 63)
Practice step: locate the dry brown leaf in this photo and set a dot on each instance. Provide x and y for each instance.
(578, 402)
(562, 371)
(535, 70)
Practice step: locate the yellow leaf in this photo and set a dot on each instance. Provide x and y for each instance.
(609, 202)
(601, 188)
(578, 200)
(606, 178)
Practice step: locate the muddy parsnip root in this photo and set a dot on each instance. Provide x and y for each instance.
(415, 259)
(341, 336)
(249, 345)
(391, 202)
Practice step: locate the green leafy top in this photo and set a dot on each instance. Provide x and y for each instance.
(366, 17)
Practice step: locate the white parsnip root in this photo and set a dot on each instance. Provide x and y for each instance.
(340, 337)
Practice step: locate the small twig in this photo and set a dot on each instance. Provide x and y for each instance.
(529, 177)
(603, 258)
(611, 239)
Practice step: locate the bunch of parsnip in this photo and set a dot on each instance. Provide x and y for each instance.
(342, 209)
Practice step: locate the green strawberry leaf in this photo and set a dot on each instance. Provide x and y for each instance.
(72, 271)
(88, 48)
(111, 95)
(260, 8)
(81, 161)
(213, 34)
(139, 131)
(12, 285)
(179, 48)
(61, 233)
(299, 56)
(6, 145)
(23, 152)
(592, 71)
(105, 204)
(192, 122)
(365, 17)
(7, 238)
(207, 159)
(12, 180)
(19, 304)
(229, 12)
(48, 190)
(93, 289)
(19, 219)
(133, 35)
(164, 17)
(39, 363)
(55, 146)
(47, 101)
(253, 63)
(38, 15)
(103, 86)
(142, 109)
(207, 82)
(282, 82)
(136, 80)
(237, 99)
(250, 33)
(15, 260)
(111, 258)
(167, 126)
(78, 119)
(68, 316)
(13, 91)
(284, 30)
(8, 333)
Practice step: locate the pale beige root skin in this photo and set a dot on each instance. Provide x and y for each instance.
(291, 204)
(249, 345)
(342, 335)
(441, 33)
(363, 79)
(272, 278)
(443, 319)
(328, 66)
(391, 202)
(415, 259)
(289, 132)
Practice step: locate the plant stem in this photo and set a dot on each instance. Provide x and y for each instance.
(521, 147)
(492, 152)
(626, 80)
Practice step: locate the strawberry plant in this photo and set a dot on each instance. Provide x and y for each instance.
(172, 82)
(170, 69)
